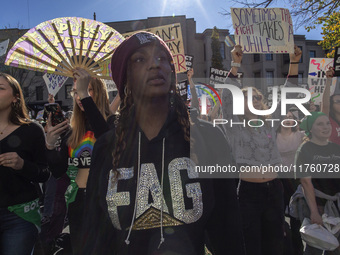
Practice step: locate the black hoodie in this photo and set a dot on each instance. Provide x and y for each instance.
(192, 207)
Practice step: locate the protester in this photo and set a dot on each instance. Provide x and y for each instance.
(88, 122)
(260, 192)
(317, 151)
(288, 139)
(331, 107)
(136, 203)
(23, 164)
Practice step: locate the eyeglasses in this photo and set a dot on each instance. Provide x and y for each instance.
(73, 93)
(336, 101)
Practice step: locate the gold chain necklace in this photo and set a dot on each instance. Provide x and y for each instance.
(2, 131)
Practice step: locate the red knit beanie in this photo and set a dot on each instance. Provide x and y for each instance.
(124, 51)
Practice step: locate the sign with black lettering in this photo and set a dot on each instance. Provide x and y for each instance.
(337, 61)
(182, 88)
(189, 60)
(317, 77)
(263, 30)
(172, 36)
(217, 76)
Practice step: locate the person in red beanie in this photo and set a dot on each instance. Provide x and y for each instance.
(143, 194)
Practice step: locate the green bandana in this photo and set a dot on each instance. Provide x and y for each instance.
(308, 121)
(28, 211)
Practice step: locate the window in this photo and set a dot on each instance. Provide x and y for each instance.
(256, 57)
(301, 59)
(270, 78)
(204, 53)
(285, 59)
(257, 75)
(312, 54)
(269, 57)
(222, 50)
(39, 92)
(68, 88)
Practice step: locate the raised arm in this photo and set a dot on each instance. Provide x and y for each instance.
(325, 105)
(194, 97)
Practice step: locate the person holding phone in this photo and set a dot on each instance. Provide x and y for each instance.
(88, 122)
(23, 164)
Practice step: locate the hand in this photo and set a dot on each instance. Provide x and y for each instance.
(330, 72)
(50, 99)
(190, 73)
(316, 218)
(82, 80)
(53, 132)
(296, 56)
(11, 159)
(236, 54)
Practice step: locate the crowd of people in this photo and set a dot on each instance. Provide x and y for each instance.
(122, 176)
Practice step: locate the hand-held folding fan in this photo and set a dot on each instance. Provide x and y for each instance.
(60, 45)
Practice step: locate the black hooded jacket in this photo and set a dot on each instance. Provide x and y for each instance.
(195, 211)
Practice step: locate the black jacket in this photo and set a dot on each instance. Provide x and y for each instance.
(191, 207)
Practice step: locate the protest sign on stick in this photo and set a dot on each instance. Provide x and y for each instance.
(337, 61)
(172, 36)
(54, 82)
(317, 77)
(263, 30)
(189, 60)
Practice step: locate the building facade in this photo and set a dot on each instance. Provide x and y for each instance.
(259, 70)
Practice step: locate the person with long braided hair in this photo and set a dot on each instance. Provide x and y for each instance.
(143, 194)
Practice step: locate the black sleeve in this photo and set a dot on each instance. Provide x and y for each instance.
(35, 168)
(58, 158)
(98, 232)
(95, 118)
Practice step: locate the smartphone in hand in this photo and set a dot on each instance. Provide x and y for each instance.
(57, 114)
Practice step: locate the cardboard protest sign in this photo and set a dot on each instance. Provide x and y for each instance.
(263, 30)
(337, 61)
(217, 75)
(182, 88)
(110, 85)
(317, 77)
(54, 82)
(3, 47)
(172, 35)
(189, 61)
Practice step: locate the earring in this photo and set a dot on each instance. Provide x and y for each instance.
(172, 99)
(127, 91)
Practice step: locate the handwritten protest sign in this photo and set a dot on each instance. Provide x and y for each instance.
(217, 75)
(182, 88)
(172, 36)
(317, 77)
(110, 85)
(337, 61)
(189, 60)
(263, 30)
(54, 82)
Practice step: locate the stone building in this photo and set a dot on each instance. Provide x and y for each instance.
(272, 68)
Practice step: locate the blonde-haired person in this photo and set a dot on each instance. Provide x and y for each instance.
(88, 122)
(254, 146)
(23, 164)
